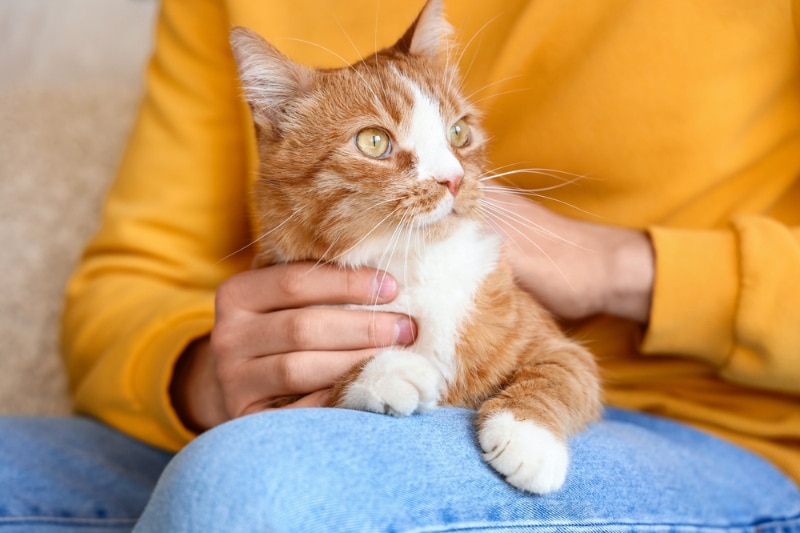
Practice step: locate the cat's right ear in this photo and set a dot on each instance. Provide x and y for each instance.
(269, 78)
(430, 33)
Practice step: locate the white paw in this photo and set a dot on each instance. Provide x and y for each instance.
(396, 383)
(529, 456)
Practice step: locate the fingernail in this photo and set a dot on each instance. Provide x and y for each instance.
(385, 287)
(404, 332)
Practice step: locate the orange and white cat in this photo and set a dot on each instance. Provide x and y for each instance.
(380, 164)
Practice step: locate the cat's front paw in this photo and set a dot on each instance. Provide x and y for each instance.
(529, 456)
(394, 382)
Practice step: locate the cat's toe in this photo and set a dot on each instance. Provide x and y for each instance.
(529, 456)
(396, 383)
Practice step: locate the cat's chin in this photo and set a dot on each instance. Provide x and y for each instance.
(443, 228)
(448, 215)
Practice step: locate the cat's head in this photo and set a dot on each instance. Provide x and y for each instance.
(383, 153)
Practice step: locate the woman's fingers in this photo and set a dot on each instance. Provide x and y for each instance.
(292, 374)
(272, 356)
(275, 334)
(315, 399)
(296, 285)
(311, 329)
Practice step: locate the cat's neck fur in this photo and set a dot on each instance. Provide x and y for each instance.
(438, 282)
(412, 260)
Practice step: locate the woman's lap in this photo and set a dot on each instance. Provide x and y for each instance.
(322, 470)
(72, 474)
(332, 470)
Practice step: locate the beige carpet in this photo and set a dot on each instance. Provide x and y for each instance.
(58, 150)
(71, 72)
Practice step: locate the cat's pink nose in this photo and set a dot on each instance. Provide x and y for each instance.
(453, 182)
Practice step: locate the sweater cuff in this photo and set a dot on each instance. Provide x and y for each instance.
(167, 345)
(695, 294)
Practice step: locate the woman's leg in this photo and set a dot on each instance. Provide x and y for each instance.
(331, 470)
(72, 474)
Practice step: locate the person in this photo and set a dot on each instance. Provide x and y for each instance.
(672, 135)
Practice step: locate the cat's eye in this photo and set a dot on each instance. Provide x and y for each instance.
(459, 134)
(374, 142)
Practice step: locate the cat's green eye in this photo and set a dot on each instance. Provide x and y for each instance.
(459, 134)
(374, 142)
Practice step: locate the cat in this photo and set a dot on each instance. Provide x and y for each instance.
(380, 164)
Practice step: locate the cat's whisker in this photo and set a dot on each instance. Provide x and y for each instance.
(339, 57)
(390, 248)
(534, 193)
(382, 202)
(492, 222)
(345, 62)
(393, 240)
(371, 72)
(321, 259)
(536, 245)
(375, 35)
(391, 245)
(371, 207)
(549, 172)
(378, 69)
(379, 268)
(261, 237)
(451, 70)
(491, 171)
(488, 85)
(503, 93)
(363, 237)
(510, 215)
(469, 43)
(487, 220)
(411, 232)
(566, 178)
(349, 40)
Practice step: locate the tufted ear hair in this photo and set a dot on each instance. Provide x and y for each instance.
(268, 77)
(430, 33)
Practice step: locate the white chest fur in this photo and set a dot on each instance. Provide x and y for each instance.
(438, 282)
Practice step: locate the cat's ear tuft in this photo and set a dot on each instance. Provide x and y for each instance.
(430, 33)
(269, 78)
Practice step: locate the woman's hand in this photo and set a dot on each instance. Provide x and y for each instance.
(575, 269)
(268, 342)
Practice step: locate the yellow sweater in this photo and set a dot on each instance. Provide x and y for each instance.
(683, 115)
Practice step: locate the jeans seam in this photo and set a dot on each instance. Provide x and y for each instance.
(779, 524)
(66, 520)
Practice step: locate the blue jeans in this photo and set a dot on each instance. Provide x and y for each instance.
(312, 470)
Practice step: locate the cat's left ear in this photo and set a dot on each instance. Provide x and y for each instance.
(430, 33)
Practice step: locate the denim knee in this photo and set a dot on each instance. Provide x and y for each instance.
(337, 470)
(271, 472)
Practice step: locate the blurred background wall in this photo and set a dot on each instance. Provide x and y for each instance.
(70, 78)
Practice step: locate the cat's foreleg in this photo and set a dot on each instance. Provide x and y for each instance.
(523, 430)
(394, 382)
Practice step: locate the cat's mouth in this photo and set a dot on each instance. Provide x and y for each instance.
(447, 208)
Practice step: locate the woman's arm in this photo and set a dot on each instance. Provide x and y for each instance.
(730, 297)
(144, 289)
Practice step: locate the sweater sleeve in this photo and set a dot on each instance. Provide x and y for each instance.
(171, 227)
(731, 298)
